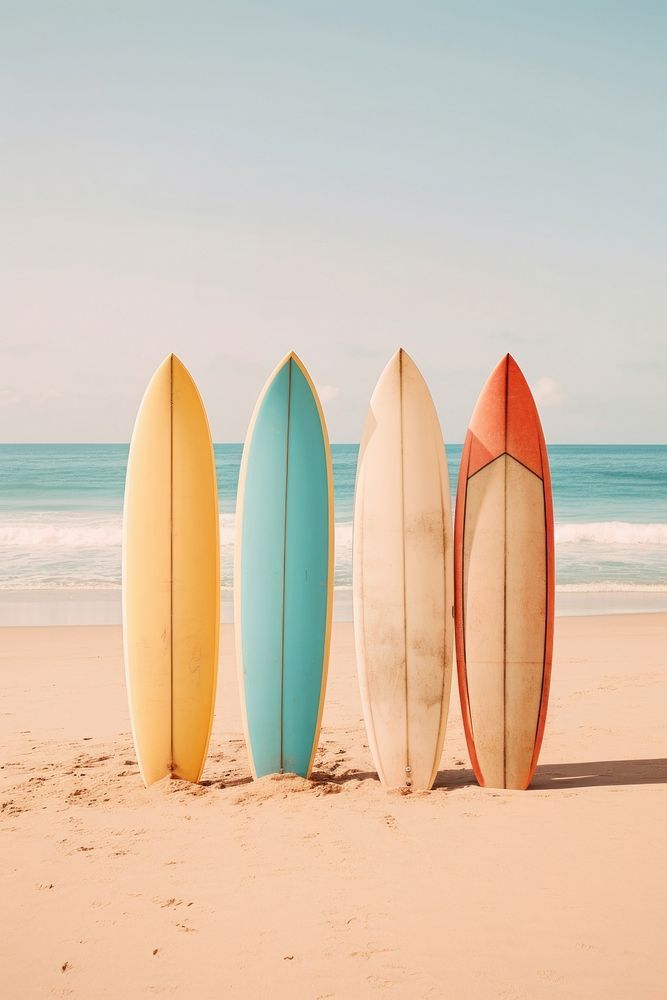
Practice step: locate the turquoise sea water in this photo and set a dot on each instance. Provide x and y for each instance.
(61, 515)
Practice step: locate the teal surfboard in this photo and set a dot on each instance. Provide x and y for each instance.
(283, 580)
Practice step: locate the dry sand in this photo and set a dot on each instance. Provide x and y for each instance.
(331, 887)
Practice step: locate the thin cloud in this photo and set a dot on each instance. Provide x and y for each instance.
(9, 396)
(327, 392)
(548, 392)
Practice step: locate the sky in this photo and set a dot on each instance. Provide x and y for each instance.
(229, 181)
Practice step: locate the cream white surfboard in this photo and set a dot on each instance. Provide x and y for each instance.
(171, 578)
(403, 578)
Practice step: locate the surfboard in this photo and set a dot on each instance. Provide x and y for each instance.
(403, 578)
(504, 581)
(283, 578)
(171, 578)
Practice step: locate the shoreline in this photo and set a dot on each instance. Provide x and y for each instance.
(44, 608)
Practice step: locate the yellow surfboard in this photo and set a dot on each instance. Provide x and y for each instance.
(171, 578)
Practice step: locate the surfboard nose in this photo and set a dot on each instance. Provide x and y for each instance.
(399, 366)
(505, 420)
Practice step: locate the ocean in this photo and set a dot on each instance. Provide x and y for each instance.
(61, 528)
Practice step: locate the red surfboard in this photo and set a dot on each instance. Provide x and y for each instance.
(504, 581)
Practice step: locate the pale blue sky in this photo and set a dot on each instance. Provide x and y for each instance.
(232, 180)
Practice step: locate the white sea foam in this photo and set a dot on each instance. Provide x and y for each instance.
(83, 530)
(86, 531)
(71, 550)
(344, 542)
(611, 533)
(76, 531)
(227, 529)
(595, 532)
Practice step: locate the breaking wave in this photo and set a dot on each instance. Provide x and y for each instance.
(612, 533)
(75, 531)
(72, 550)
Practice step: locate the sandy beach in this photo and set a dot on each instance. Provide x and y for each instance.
(331, 887)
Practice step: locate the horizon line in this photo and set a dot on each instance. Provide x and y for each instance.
(448, 444)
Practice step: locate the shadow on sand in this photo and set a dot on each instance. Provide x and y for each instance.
(591, 774)
(587, 774)
(342, 779)
(226, 782)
